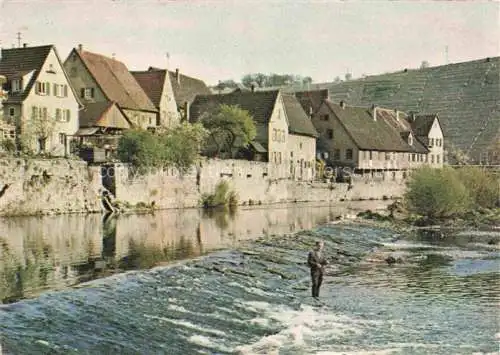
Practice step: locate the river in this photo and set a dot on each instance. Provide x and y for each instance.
(238, 284)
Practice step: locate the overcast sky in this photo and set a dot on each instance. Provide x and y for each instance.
(216, 40)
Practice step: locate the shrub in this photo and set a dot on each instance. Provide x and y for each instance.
(436, 193)
(223, 196)
(482, 185)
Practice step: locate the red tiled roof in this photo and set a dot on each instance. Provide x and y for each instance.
(116, 81)
(152, 82)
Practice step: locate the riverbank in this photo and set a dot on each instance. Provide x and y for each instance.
(64, 186)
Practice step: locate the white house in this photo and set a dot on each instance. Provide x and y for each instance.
(41, 107)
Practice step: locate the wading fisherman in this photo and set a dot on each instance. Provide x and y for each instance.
(316, 262)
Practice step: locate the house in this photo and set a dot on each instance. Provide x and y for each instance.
(285, 136)
(185, 89)
(267, 110)
(428, 131)
(100, 79)
(367, 139)
(301, 142)
(157, 85)
(41, 108)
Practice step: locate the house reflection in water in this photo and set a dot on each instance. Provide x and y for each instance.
(53, 252)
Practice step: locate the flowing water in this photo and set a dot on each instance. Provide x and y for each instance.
(244, 295)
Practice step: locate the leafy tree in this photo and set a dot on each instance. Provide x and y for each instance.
(273, 79)
(178, 147)
(229, 128)
(35, 131)
(141, 149)
(183, 145)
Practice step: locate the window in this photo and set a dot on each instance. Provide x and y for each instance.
(371, 155)
(291, 155)
(12, 112)
(431, 142)
(34, 112)
(16, 85)
(300, 145)
(275, 134)
(336, 154)
(393, 175)
(42, 88)
(87, 93)
(432, 158)
(413, 157)
(66, 115)
(325, 117)
(437, 158)
(65, 90)
(62, 138)
(387, 156)
(410, 140)
(348, 154)
(56, 89)
(329, 133)
(58, 115)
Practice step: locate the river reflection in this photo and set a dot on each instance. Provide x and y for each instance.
(53, 252)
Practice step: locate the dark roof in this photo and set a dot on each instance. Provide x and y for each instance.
(152, 82)
(260, 105)
(422, 124)
(298, 121)
(17, 62)
(464, 95)
(186, 89)
(370, 134)
(258, 147)
(116, 81)
(311, 99)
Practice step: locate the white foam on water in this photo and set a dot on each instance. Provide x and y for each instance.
(250, 289)
(176, 308)
(361, 352)
(188, 325)
(207, 342)
(301, 328)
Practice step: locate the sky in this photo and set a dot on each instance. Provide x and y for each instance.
(219, 40)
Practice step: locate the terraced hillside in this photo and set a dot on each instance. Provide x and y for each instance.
(466, 96)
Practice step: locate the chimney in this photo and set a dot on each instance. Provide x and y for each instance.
(80, 48)
(374, 112)
(25, 45)
(177, 76)
(342, 104)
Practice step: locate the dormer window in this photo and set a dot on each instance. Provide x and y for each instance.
(87, 93)
(410, 139)
(16, 85)
(51, 69)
